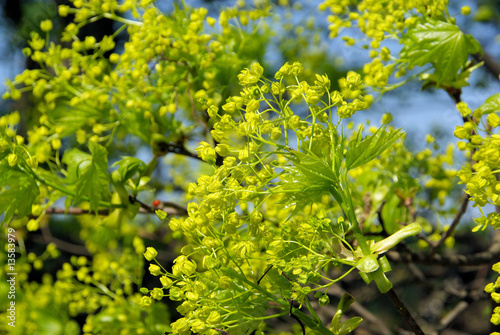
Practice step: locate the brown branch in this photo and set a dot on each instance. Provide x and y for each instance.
(490, 64)
(452, 315)
(165, 148)
(467, 297)
(168, 207)
(401, 308)
(453, 225)
(408, 202)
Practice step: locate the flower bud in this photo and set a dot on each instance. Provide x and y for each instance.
(464, 109)
(46, 25)
(213, 318)
(32, 225)
(353, 81)
(145, 302)
(157, 293)
(155, 270)
(161, 214)
(63, 10)
(276, 133)
(461, 133)
(166, 282)
(12, 159)
(150, 254)
(336, 98)
(4, 145)
(493, 120)
(222, 149)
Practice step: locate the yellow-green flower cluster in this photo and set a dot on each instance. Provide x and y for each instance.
(491, 289)
(480, 136)
(226, 229)
(210, 299)
(130, 93)
(379, 21)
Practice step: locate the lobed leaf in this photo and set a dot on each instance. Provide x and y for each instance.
(128, 166)
(89, 173)
(19, 192)
(441, 44)
(362, 151)
(492, 104)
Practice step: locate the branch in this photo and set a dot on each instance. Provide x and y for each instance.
(168, 207)
(165, 148)
(404, 312)
(453, 225)
(489, 63)
(452, 315)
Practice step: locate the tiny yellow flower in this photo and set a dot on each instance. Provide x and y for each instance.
(465, 10)
(46, 25)
(150, 254)
(155, 270)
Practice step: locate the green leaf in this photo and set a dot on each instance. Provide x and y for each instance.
(392, 214)
(70, 119)
(89, 173)
(383, 283)
(307, 180)
(343, 305)
(368, 264)
(128, 166)
(348, 326)
(362, 151)
(76, 161)
(18, 192)
(461, 80)
(492, 104)
(441, 44)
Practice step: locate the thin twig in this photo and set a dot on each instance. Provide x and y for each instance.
(401, 308)
(452, 315)
(300, 322)
(490, 64)
(380, 218)
(265, 273)
(453, 225)
(172, 209)
(411, 210)
(177, 149)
